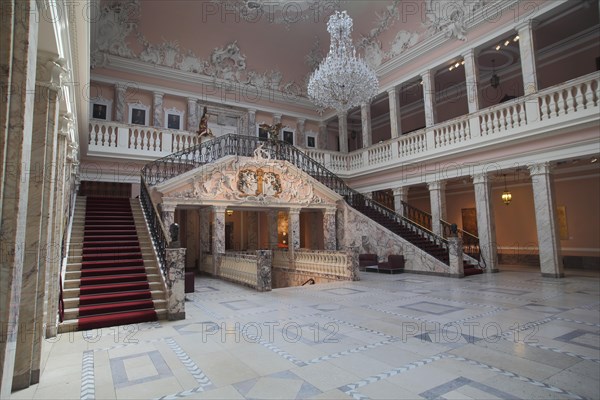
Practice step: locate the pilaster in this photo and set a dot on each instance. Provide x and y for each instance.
(395, 125)
(400, 197)
(218, 239)
(471, 74)
(157, 105)
(343, 132)
(429, 98)
(365, 117)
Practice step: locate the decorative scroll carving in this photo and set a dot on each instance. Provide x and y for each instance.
(253, 181)
(114, 25)
(450, 18)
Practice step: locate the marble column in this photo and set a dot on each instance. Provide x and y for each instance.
(545, 219)
(365, 118)
(395, 124)
(19, 33)
(486, 223)
(437, 197)
(46, 230)
(457, 268)
(158, 111)
(293, 230)
(59, 221)
(168, 217)
(471, 80)
(218, 238)
(343, 132)
(329, 229)
(34, 259)
(273, 216)
(120, 93)
(527, 55)
(322, 139)
(192, 114)
(429, 98)
(204, 233)
(300, 140)
(251, 122)
(175, 259)
(400, 197)
(252, 229)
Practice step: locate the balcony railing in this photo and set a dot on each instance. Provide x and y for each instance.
(575, 101)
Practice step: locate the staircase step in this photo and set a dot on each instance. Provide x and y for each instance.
(122, 242)
(111, 256)
(115, 319)
(85, 273)
(105, 308)
(114, 297)
(117, 287)
(112, 279)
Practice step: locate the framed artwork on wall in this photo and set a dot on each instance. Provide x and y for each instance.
(101, 108)
(174, 119)
(311, 140)
(288, 136)
(138, 114)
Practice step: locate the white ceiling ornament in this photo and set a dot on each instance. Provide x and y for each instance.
(343, 80)
(451, 18)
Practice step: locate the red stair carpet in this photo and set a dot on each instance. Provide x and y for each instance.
(114, 288)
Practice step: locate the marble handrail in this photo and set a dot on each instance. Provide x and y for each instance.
(319, 262)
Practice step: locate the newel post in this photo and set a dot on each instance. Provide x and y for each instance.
(175, 258)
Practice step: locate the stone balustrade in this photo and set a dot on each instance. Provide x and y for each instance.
(575, 101)
(338, 265)
(252, 269)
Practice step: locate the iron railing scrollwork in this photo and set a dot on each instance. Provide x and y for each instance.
(185, 160)
(470, 242)
(158, 233)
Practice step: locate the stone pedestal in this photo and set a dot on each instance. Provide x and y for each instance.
(457, 268)
(353, 264)
(264, 264)
(175, 283)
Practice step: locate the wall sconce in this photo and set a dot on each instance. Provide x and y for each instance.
(495, 79)
(506, 195)
(229, 212)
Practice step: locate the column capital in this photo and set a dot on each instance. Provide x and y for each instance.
(252, 111)
(51, 72)
(342, 114)
(300, 120)
(219, 209)
(481, 178)
(294, 211)
(157, 93)
(425, 73)
(120, 87)
(168, 207)
(192, 100)
(469, 53)
(277, 117)
(544, 168)
(393, 91)
(329, 211)
(528, 24)
(322, 124)
(400, 191)
(437, 185)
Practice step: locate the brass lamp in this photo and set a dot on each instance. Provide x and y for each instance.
(506, 195)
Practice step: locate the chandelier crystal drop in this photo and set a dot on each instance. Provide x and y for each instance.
(342, 80)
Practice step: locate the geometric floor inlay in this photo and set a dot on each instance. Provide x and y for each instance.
(431, 308)
(138, 368)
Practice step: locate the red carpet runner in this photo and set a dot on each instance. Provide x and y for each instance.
(114, 288)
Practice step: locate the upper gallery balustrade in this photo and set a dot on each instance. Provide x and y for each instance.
(570, 103)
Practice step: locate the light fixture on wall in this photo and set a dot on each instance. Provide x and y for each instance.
(495, 79)
(342, 80)
(506, 195)
(229, 212)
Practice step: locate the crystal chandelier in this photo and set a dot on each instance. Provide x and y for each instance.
(343, 80)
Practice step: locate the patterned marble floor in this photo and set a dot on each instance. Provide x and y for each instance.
(511, 335)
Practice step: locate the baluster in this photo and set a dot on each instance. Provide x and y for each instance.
(553, 106)
(522, 115)
(495, 122)
(579, 97)
(514, 116)
(588, 95)
(570, 101)
(543, 108)
(597, 82)
(561, 101)
(489, 124)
